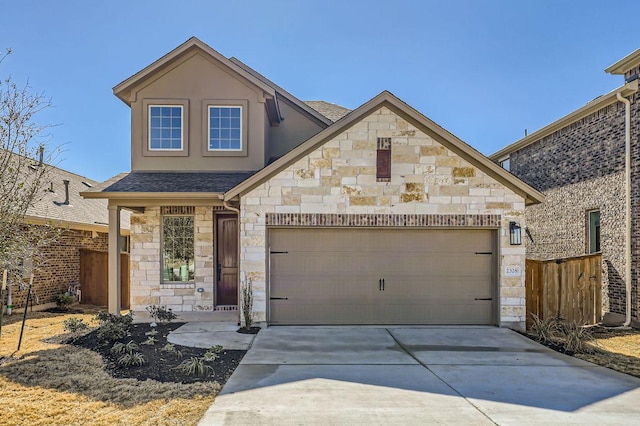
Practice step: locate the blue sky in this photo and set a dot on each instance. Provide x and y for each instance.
(484, 70)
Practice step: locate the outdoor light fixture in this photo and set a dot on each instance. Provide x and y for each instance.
(515, 234)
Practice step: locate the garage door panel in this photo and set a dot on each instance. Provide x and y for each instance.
(332, 276)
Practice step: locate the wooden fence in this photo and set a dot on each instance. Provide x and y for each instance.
(569, 288)
(94, 278)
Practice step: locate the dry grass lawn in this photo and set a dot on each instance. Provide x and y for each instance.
(47, 383)
(618, 350)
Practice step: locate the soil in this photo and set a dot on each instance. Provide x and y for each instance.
(160, 365)
(245, 330)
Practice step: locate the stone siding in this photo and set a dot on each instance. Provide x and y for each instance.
(145, 266)
(340, 178)
(580, 168)
(60, 266)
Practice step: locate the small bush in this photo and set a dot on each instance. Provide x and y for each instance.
(545, 330)
(153, 332)
(212, 354)
(576, 338)
(161, 313)
(113, 327)
(122, 348)
(134, 359)
(247, 303)
(195, 367)
(63, 300)
(150, 341)
(74, 325)
(171, 348)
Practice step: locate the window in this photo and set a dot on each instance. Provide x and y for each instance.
(594, 231)
(177, 248)
(165, 127)
(383, 160)
(225, 128)
(505, 163)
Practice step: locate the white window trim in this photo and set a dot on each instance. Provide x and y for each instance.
(503, 159)
(209, 128)
(181, 128)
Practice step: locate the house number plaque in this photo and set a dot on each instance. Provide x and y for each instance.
(512, 271)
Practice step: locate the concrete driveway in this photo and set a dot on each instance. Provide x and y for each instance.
(417, 375)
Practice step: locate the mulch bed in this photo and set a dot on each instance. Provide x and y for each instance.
(160, 365)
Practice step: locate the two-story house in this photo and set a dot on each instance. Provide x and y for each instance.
(587, 164)
(381, 217)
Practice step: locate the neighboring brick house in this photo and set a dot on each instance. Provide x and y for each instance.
(378, 217)
(578, 162)
(81, 224)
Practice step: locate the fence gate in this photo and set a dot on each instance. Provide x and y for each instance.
(570, 288)
(94, 279)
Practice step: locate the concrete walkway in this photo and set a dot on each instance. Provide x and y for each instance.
(203, 334)
(417, 375)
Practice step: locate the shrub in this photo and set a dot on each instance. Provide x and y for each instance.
(576, 338)
(545, 330)
(63, 300)
(152, 332)
(195, 367)
(113, 327)
(74, 325)
(128, 360)
(150, 341)
(212, 354)
(247, 303)
(171, 348)
(122, 348)
(161, 313)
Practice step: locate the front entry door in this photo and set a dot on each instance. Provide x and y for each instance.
(227, 261)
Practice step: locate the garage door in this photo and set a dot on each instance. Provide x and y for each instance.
(385, 276)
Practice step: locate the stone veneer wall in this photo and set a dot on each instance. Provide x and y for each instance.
(145, 286)
(340, 178)
(579, 168)
(61, 266)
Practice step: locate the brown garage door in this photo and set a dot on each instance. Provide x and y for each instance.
(381, 276)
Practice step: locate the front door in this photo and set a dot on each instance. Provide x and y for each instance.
(227, 260)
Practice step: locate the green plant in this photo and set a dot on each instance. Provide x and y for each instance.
(161, 313)
(247, 303)
(74, 325)
(212, 354)
(132, 359)
(63, 300)
(151, 340)
(153, 332)
(545, 330)
(171, 348)
(577, 338)
(195, 367)
(122, 348)
(113, 327)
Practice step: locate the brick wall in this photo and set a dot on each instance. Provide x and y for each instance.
(61, 266)
(428, 182)
(580, 168)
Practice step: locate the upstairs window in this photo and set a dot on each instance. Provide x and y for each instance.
(165, 127)
(594, 231)
(383, 160)
(225, 128)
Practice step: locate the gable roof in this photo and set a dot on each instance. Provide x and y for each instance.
(49, 205)
(591, 107)
(387, 99)
(333, 112)
(121, 89)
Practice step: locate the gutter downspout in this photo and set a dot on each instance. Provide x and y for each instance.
(233, 209)
(627, 165)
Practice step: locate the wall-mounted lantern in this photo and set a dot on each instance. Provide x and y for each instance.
(515, 234)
